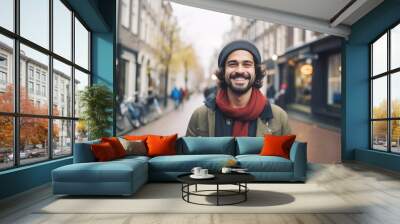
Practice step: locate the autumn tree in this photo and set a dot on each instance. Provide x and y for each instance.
(167, 45)
(32, 130)
(188, 59)
(175, 55)
(379, 128)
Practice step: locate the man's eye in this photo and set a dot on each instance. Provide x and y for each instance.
(232, 64)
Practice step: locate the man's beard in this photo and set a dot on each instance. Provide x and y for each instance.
(240, 90)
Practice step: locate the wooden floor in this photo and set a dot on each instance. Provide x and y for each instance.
(379, 190)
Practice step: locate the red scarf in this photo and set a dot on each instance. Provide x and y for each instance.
(242, 116)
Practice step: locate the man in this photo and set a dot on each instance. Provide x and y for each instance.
(238, 108)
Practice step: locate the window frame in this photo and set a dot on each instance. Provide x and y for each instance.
(16, 114)
(371, 77)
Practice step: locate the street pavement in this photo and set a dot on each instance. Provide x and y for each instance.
(173, 121)
(323, 145)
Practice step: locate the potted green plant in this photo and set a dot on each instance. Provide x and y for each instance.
(96, 102)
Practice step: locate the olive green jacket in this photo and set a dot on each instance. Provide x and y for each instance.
(202, 122)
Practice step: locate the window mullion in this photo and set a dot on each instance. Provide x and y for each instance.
(16, 84)
(371, 145)
(389, 106)
(73, 82)
(50, 81)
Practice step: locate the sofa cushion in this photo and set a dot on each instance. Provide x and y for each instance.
(185, 163)
(112, 171)
(116, 145)
(159, 145)
(208, 145)
(133, 157)
(249, 145)
(136, 137)
(257, 163)
(83, 152)
(103, 152)
(275, 145)
(134, 147)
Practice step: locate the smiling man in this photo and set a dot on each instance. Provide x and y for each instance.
(238, 108)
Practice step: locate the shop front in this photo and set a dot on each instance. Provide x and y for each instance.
(310, 77)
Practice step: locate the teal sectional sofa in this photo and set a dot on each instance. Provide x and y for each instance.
(125, 176)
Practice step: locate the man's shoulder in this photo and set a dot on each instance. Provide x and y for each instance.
(203, 109)
(277, 110)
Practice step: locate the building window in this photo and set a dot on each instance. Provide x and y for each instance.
(43, 77)
(30, 87)
(3, 72)
(37, 75)
(125, 13)
(38, 89)
(334, 80)
(3, 61)
(43, 90)
(385, 97)
(3, 78)
(30, 73)
(54, 129)
(135, 16)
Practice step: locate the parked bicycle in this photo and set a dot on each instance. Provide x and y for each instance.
(130, 115)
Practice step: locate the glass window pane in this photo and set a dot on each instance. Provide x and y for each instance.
(34, 96)
(6, 74)
(81, 131)
(62, 29)
(62, 89)
(395, 135)
(33, 139)
(81, 81)
(125, 13)
(35, 21)
(334, 80)
(81, 45)
(379, 55)
(395, 47)
(7, 14)
(62, 138)
(395, 94)
(379, 135)
(379, 97)
(6, 142)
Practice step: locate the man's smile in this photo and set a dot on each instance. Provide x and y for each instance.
(240, 79)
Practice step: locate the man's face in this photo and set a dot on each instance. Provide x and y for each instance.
(240, 71)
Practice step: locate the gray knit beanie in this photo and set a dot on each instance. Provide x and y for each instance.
(238, 45)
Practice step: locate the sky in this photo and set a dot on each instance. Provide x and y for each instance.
(203, 28)
(35, 27)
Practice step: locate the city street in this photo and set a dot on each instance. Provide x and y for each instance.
(318, 139)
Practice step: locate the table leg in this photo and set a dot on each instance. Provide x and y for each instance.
(182, 190)
(245, 191)
(217, 194)
(188, 190)
(196, 188)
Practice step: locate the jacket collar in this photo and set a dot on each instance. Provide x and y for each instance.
(266, 115)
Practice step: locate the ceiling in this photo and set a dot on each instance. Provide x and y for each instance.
(326, 16)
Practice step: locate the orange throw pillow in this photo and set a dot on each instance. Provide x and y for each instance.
(277, 145)
(161, 145)
(136, 137)
(103, 151)
(116, 145)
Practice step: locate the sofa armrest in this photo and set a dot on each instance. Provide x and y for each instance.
(83, 152)
(298, 155)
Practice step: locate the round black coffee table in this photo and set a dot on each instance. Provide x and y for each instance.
(238, 179)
